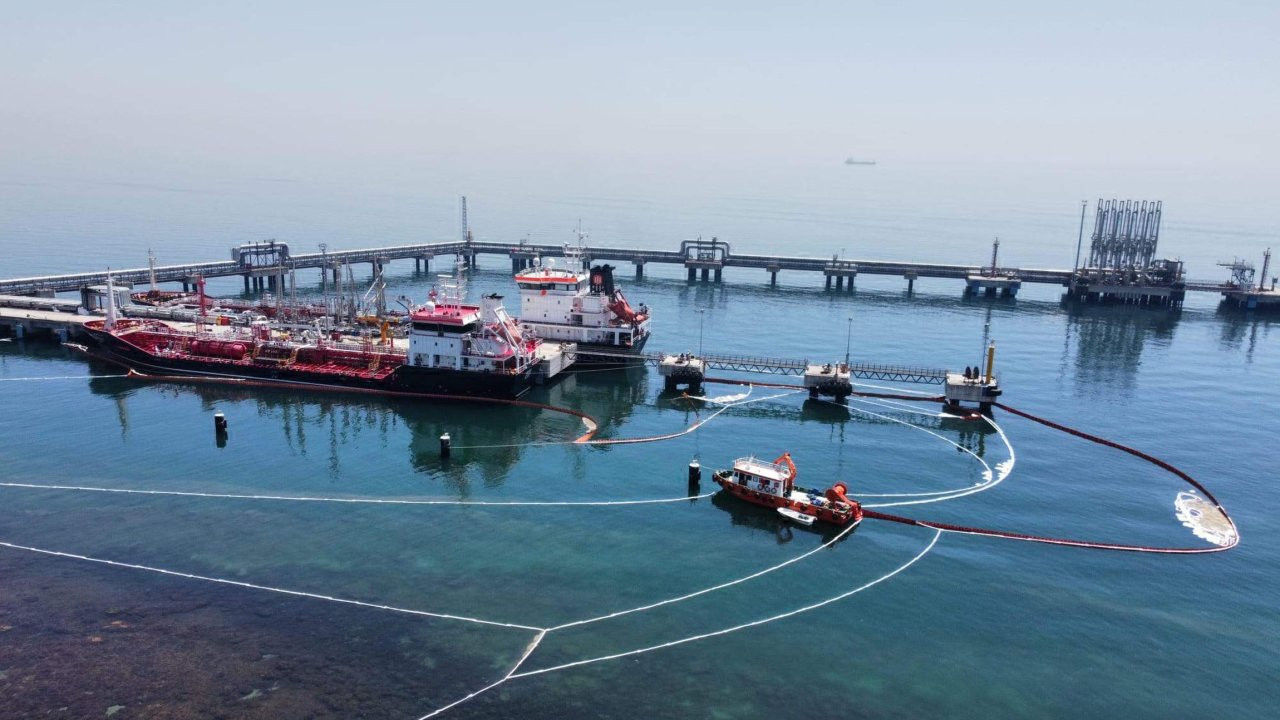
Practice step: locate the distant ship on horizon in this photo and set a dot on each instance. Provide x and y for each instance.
(854, 161)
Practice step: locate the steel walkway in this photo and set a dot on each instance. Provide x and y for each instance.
(692, 255)
(781, 366)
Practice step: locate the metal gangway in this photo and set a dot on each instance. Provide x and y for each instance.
(784, 366)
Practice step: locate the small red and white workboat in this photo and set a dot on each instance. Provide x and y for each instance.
(772, 484)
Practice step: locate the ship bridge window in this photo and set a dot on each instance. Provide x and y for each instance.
(441, 328)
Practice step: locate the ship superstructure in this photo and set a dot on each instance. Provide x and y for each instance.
(583, 307)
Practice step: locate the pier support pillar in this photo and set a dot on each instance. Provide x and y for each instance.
(246, 283)
(706, 274)
(639, 270)
(516, 265)
(271, 283)
(828, 282)
(693, 274)
(849, 283)
(773, 279)
(719, 275)
(911, 281)
(839, 282)
(336, 275)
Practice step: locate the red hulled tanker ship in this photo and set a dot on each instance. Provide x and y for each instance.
(452, 349)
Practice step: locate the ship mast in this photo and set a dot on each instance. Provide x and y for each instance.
(453, 288)
(151, 266)
(111, 303)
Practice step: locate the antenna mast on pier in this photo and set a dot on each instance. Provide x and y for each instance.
(464, 228)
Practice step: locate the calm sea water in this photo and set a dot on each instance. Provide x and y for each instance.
(977, 628)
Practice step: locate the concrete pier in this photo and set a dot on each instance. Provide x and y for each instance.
(1253, 299)
(992, 285)
(695, 255)
(843, 271)
(683, 369)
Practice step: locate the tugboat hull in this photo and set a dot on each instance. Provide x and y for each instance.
(827, 509)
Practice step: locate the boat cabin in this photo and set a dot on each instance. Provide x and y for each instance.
(772, 478)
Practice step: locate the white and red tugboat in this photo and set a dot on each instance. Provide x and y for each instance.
(582, 307)
(452, 349)
(772, 485)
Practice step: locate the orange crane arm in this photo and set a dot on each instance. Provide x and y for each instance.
(785, 459)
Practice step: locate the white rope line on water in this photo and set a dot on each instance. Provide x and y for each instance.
(991, 477)
(615, 441)
(635, 441)
(987, 474)
(721, 586)
(360, 500)
(902, 406)
(725, 631)
(527, 652)
(904, 391)
(513, 674)
(59, 377)
(1002, 471)
(917, 411)
(269, 588)
(541, 632)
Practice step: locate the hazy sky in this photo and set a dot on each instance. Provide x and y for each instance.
(1120, 84)
(1010, 104)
